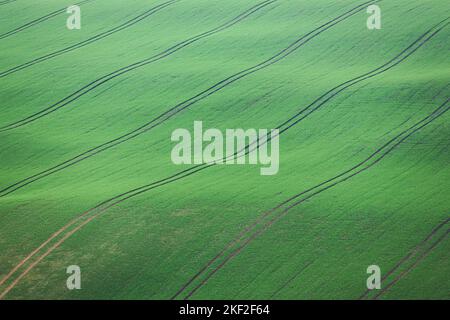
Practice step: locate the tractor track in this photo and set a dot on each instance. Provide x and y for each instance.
(105, 205)
(39, 20)
(409, 269)
(6, 2)
(316, 104)
(99, 209)
(124, 196)
(91, 40)
(291, 279)
(112, 75)
(340, 178)
(409, 256)
(178, 108)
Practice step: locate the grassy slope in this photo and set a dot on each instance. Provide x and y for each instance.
(150, 245)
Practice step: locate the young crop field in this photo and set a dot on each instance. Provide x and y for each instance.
(95, 203)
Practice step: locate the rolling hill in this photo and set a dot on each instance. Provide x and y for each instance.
(86, 176)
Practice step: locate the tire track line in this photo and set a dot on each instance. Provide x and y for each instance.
(192, 170)
(6, 2)
(187, 103)
(32, 265)
(137, 191)
(124, 196)
(291, 279)
(39, 20)
(420, 259)
(340, 179)
(189, 171)
(110, 76)
(424, 38)
(91, 40)
(410, 255)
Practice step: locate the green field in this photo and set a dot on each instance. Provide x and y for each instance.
(86, 176)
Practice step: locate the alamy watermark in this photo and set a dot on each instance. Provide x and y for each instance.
(374, 280)
(74, 280)
(74, 20)
(374, 20)
(236, 146)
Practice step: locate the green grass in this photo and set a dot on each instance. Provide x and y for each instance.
(149, 246)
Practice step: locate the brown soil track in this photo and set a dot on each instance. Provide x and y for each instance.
(304, 196)
(104, 206)
(120, 198)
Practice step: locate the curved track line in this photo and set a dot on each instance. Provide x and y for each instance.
(180, 107)
(340, 179)
(140, 190)
(291, 279)
(420, 259)
(32, 265)
(39, 20)
(385, 67)
(124, 196)
(6, 2)
(110, 76)
(323, 99)
(410, 255)
(315, 105)
(91, 40)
